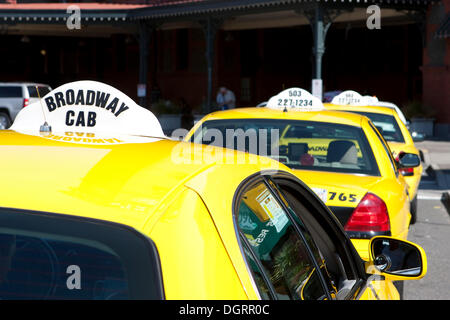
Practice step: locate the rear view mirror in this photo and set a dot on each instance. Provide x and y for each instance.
(397, 259)
(408, 160)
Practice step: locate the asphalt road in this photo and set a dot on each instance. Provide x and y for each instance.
(432, 232)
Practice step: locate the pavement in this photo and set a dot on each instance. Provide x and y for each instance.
(432, 229)
(436, 178)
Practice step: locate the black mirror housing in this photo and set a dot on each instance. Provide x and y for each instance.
(408, 160)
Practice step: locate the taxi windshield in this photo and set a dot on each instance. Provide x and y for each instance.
(307, 145)
(386, 124)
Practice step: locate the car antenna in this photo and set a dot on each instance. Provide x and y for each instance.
(45, 127)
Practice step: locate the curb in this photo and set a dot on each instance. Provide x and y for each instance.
(446, 201)
(425, 156)
(440, 177)
(433, 170)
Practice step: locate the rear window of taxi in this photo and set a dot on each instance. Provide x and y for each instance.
(307, 145)
(386, 124)
(47, 256)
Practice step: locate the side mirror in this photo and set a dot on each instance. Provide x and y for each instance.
(396, 259)
(408, 160)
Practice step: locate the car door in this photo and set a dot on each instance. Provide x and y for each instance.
(293, 245)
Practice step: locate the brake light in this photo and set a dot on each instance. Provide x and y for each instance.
(25, 102)
(371, 214)
(406, 171)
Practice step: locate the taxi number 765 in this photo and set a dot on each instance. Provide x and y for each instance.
(342, 196)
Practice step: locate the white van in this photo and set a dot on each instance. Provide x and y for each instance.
(16, 95)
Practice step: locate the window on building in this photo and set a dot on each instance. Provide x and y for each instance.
(182, 49)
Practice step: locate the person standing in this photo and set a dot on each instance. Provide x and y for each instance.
(225, 99)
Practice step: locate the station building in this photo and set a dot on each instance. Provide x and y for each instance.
(183, 50)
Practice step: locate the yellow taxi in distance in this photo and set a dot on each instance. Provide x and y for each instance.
(394, 131)
(340, 155)
(98, 204)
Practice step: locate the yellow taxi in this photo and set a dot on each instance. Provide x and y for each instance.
(394, 131)
(98, 204)
(340, 155)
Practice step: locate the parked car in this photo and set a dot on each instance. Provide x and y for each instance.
(340, 155)
(393, 128)
(16, 95)
(110, 208)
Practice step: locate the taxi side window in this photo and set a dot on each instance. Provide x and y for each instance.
(324, 263)
(386, 147)
(257, 275)
(47, 257)
(279, 251)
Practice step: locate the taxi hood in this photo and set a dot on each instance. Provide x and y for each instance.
(119, 180)
(52, 174)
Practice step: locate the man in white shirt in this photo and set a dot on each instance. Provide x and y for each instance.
(225, 99)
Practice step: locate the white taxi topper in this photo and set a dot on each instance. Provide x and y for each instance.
(295, 99)
(352, 98)
(393, 106)
(88, 107)
(371, 100)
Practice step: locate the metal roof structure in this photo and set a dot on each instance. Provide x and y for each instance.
(174, 10)
(211, 15)
(444, 29)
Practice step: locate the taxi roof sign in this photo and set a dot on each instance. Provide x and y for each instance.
(88, 106)
(295, 99)
(353, 98)
(371, 100)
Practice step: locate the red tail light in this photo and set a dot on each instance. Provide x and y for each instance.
(406, 171)
(25, 102)
(371, 214)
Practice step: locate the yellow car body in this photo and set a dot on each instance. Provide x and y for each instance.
(89, 215)
(137, 186)
(400, 142)
(341, 192)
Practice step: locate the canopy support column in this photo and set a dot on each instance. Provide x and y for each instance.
(320, 18)
(145, 31)
(210, 27)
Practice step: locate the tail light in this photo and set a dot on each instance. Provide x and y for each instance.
(406, 171)
(371, 214)
(25, 102)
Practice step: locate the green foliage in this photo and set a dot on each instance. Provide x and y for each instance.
(166, 107)
(416, 109)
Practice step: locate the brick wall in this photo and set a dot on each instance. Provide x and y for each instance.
(436, 65)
